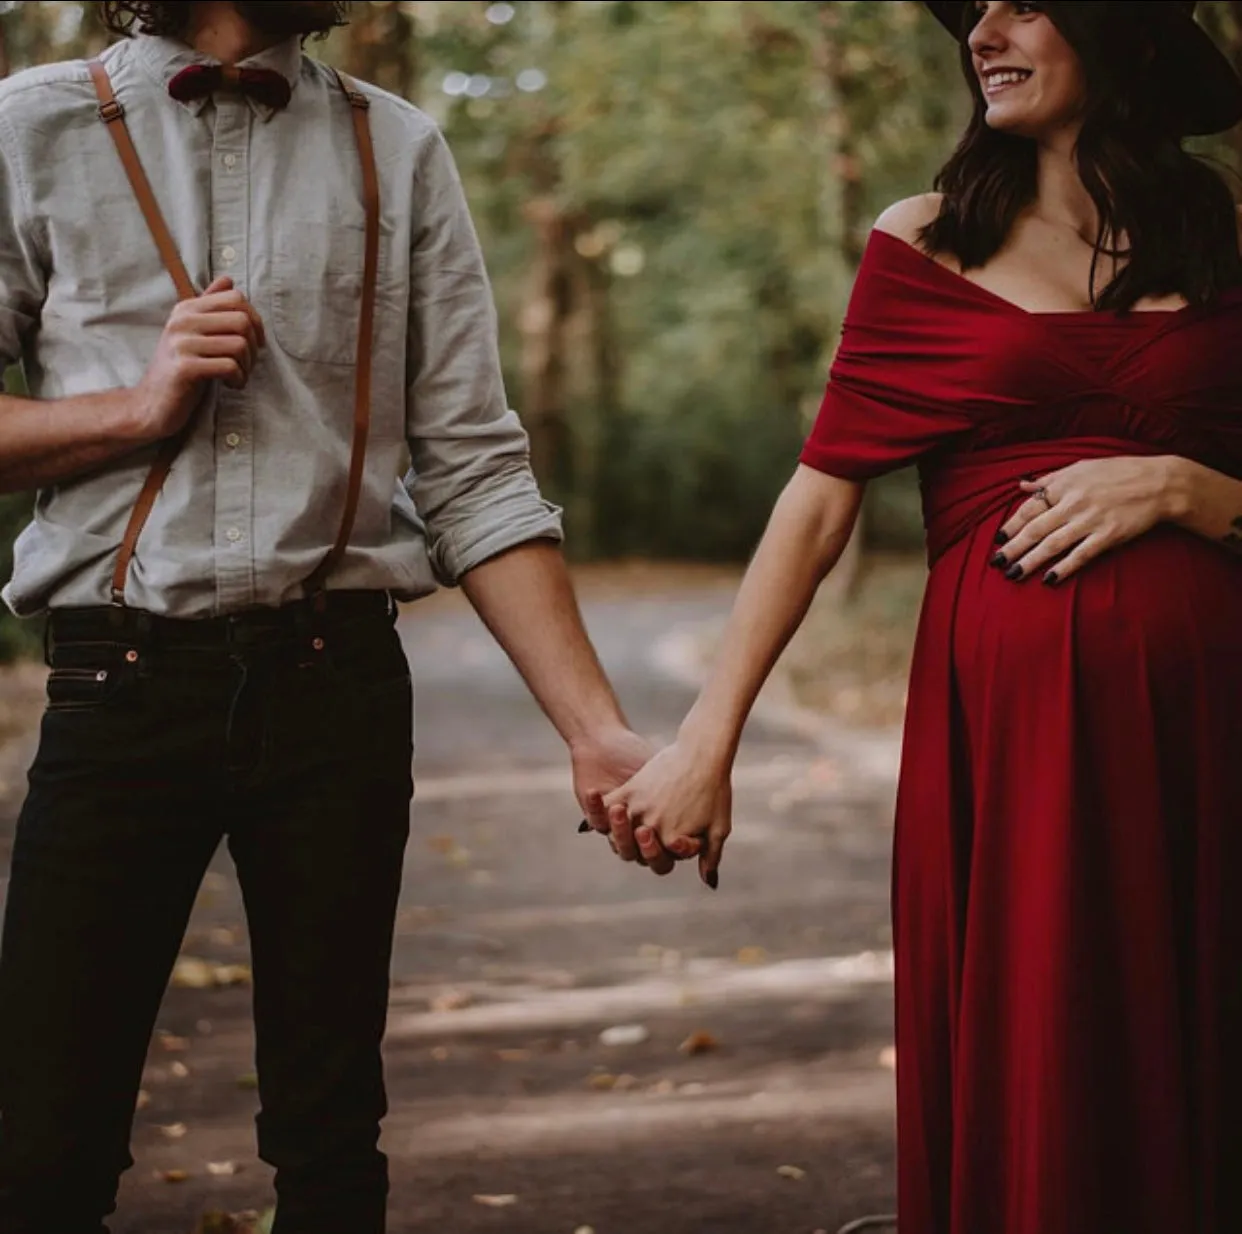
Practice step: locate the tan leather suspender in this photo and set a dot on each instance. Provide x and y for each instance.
(112, 113)
(366, 332)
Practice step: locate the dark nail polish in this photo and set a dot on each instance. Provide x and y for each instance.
(1014, 573)
(713, 879)
(1051, 579)
(1002, 538)
(1000, 561)
(583, 827)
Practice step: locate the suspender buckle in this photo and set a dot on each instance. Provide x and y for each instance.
(357, 98)
(110, 111)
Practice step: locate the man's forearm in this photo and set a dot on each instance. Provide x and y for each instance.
(47, 442)
(526, 599)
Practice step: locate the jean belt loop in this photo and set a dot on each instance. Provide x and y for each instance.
(311, 618)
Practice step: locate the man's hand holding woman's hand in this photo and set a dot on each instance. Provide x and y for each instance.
(678, 806)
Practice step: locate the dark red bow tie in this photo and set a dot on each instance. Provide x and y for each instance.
(263, 85)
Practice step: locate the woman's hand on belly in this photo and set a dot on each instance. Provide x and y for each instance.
(1073, 515)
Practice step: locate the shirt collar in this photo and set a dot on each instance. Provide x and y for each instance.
(163, 58)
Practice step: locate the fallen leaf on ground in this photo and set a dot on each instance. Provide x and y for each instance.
(222, 1223)
(175, 1131)
(191, 973)
(173, 1176)
(250, 1081)
(440, 1054)
(448, 848)
(496, 1201)
(179, 1069)
(624, 1034)
(751, 955)
(451, 1000)
(700, 1043)
(603, 1082)
(231, 1223)
(223, 1169)
(791, 1171)
(232, 974)
(173, 1045)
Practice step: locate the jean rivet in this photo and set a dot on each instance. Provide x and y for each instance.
(317, 644)
(131, 657)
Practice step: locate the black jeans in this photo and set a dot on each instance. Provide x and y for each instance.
(289, 733)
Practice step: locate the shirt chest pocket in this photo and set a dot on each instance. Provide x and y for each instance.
(315, 285)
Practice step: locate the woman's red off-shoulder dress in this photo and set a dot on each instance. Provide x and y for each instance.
(1067, 893)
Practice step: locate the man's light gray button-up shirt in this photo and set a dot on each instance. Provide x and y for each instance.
(274, 201)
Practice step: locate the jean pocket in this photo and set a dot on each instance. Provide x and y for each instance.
(85, 678)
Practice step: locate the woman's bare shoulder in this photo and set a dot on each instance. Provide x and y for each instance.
(906, 219)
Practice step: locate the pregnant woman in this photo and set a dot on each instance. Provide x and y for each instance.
(1056, 339)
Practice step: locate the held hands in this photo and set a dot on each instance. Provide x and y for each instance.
(215, 336)
(679, 805)
(1075, 514)
(601, 763)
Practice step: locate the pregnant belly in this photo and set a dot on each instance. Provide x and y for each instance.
(1151, 617)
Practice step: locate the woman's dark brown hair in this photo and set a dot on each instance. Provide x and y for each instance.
(1176, 213)
(170, 19)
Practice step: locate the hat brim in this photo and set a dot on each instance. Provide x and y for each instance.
(1205, 92)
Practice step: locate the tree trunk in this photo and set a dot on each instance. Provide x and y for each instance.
(380, 48)
(568, 364)
(543, 322)
(840, 211)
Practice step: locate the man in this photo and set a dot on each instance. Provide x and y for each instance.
(218, 668)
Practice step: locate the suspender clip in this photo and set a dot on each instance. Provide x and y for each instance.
(357, 98)
(110, 111)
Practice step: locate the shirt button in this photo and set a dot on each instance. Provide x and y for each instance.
(233, 534)
(233, 440)
(228, 254)
(230, 161)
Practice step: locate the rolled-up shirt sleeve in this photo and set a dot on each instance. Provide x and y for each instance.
(22, 281)
(470, 479)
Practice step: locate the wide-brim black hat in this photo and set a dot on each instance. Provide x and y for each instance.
(1205, 92)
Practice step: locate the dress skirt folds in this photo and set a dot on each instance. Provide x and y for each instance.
(1067, 888)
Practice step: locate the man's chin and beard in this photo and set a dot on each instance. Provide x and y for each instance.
(285, 20)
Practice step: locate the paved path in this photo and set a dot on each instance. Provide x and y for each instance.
(520, 942)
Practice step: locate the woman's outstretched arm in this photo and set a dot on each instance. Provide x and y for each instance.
(684, 791)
